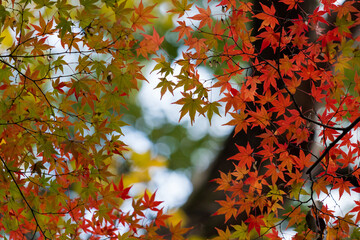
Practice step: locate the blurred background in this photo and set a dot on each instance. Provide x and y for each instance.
(166, 155)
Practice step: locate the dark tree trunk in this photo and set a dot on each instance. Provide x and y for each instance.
(201, 205)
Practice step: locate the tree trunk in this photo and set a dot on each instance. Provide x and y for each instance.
(202, 203)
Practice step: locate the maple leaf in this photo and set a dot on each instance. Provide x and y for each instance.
(227, 208)
(255, 183)
(320, 186)
(292, 3)
(267, 16)
(342, 185)
(269, 38)
(210, 109)
(302, 161)
(121, 191)
(141, 16)
(204, 17)
(183, 29)
(273, 235)
(268, 97)
(232, 101)
(260, 118)
(239, 121)
(44, 28)
(197, 43)
(255, 222)
(163, 66)
(223, 82)
(280, 104)
(223, 182)
(181, 7)
(165, 85)
(160, 218)
(287, 66)
(190, 105)
(149, 202)
(346, 8)
(345, 222)
(301, 135)
(241, 231)
(150, 44)
(356, 209)
(222, 234)
(317, 93)
(294, 215)
(269, 76)
(245, 155)
(275, 172)
(249, 94)
(177, 231)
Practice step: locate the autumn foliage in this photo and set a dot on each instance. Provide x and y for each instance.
(67, 69)
(64, 79)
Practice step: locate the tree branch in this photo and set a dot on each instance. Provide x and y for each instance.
(327, 150)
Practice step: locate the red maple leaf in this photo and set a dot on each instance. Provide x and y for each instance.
(267, 16)
(244, 156)
(357, 210)
(149, 201)
(121, 191)
(255, 222)
(292, 3)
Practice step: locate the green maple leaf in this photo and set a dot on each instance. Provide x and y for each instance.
(190, 105)
(241, 231)
(64, 26)
(212, 108)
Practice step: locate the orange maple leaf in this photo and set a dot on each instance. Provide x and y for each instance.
(239, 121)
(204, 17)
(345, 8)
(260, 118)
(228, 208)
(232, 101)
(141, 16)
(183, 29)
(223, 181)
(177, 231)
(320, 186)
(150, 44)
(196, 43)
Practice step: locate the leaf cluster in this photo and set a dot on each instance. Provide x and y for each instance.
(314, 63)
(64, 81)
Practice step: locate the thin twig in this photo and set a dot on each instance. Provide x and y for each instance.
(24, 198)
